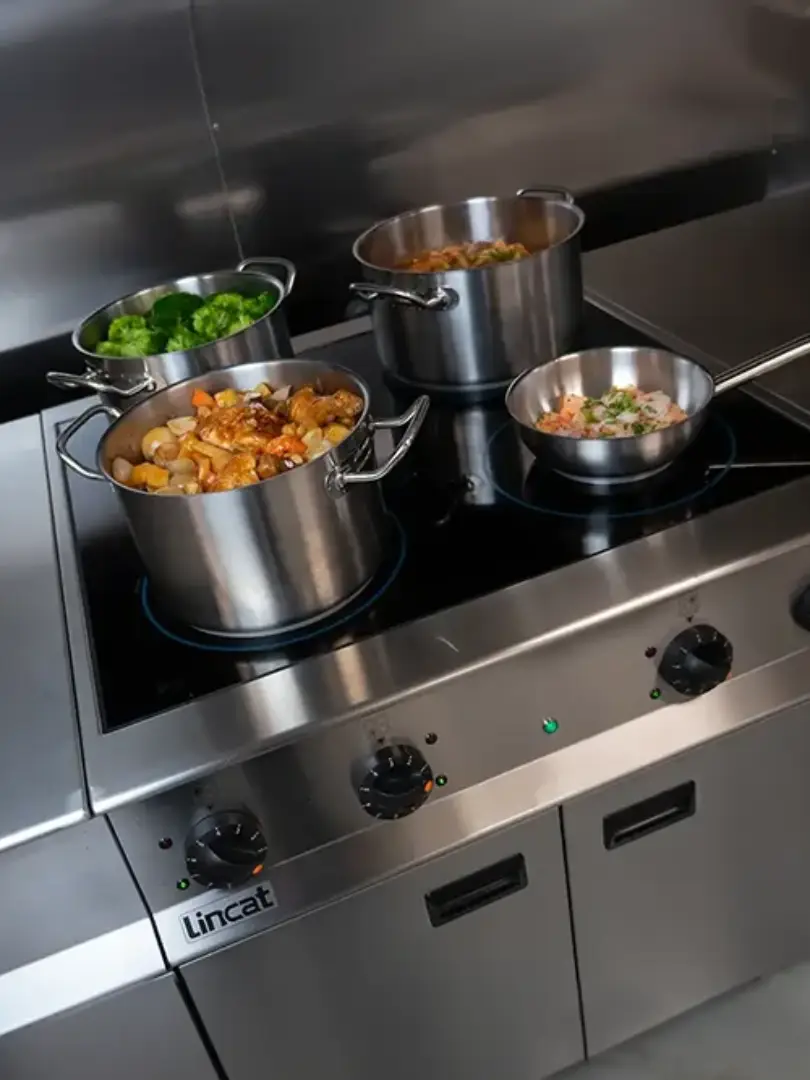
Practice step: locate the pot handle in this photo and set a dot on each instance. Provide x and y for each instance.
(560, 194)
(437, 300)
(67, 380)
(412, 418)
(762, 365)
(65, 436)
(273, 262)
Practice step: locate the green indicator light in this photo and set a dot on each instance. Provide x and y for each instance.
(441, 780)
(550, 725)
(183, 884)
(655, 694)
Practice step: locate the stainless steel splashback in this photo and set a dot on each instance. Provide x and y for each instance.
(331, 116)
(328, 116)
(109, 179)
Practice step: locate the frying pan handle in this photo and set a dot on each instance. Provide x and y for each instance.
(762, 365)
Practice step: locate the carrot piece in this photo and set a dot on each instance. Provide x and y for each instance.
(201, 397)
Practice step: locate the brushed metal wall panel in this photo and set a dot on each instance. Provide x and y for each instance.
(109, 180)
(330, 116)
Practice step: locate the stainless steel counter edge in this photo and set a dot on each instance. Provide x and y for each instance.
(74, 927)
(424, 658)
(41, 782)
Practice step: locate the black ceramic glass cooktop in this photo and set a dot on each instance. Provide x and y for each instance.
(473, 514)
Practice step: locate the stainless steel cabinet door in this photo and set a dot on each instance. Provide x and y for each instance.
(144, 1033)
(692, 877)
(419, 973)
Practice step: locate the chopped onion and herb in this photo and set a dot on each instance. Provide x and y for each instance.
(622, 412)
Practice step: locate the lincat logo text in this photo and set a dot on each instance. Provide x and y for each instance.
(218, 915)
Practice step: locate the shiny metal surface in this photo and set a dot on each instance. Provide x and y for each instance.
(72, 926)
(278, 552)
(124, 381)
(110, 181)
(584, 97)
(592, 372)
(41, 784)
(145, 1031)
(705, 904)
(378, 982)
(468, 328)
(717, 290)
(612, 605)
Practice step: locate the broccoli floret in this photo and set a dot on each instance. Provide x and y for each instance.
(256, 306)
(125, 326)
(183, 338)
(230, 301)
(108, 348)
(174, 310)
(143, 343)
(211, 322)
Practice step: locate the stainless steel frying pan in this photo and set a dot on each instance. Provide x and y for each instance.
(592, 372)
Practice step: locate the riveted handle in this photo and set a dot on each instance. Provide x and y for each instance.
(76, 425)
(412, 419)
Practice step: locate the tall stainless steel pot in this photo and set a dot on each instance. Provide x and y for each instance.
(275, 554)
(124, 381)
(480, 327)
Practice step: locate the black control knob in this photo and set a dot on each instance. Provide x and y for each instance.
(696, 660)
(225, 849)
(393, 781)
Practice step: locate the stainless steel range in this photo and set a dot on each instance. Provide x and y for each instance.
(541, 786)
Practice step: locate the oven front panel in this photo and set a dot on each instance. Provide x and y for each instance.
(456, 966)
(143, 1033)
(691, 877)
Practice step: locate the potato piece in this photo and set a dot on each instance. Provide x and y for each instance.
(121, 470)
(182, 425)
(226, 398)
(335, 433)
(165, 453)
(182, 466)
(149, 476)
(315, 443)
(152, 440)
(172, 489)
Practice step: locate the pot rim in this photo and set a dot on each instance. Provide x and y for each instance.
(477, 199)
(130, 413)
(174, 283)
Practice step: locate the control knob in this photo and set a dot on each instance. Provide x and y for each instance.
(225, 849)
(696, 660)
(393, 781)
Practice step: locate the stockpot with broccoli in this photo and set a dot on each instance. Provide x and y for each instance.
(162, 335)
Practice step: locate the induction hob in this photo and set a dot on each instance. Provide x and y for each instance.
(473, 513)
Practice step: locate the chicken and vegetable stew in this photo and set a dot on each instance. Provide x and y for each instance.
(236, 438)
(465, 256)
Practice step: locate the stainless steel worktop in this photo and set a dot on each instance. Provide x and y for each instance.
(41, 786)
(719, 290)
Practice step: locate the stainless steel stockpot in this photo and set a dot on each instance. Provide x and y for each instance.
(124, 381)
(594, 371)
(472, 328)
(278, 553)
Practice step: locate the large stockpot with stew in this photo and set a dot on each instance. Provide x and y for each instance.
(123, 381)
(272, 555)
(472, 328)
